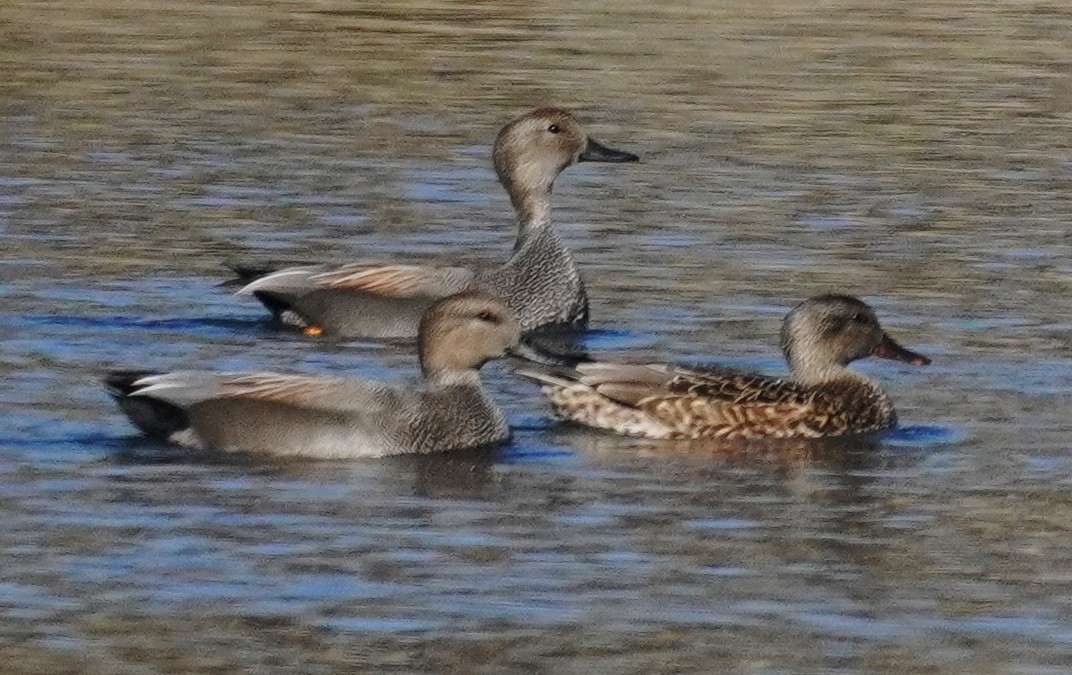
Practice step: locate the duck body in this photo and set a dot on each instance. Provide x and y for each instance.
(677, 403)
(824, 398)
(326, 418)
(540, 282)
(358, 299)
(323, 417)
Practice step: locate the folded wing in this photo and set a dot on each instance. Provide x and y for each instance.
(188, 388)
(397, 281)
(668, 401)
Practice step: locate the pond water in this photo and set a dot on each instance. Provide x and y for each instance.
(915, 154)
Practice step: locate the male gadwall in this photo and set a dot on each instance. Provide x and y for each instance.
(336, 417)
(820, 337)
(539, 282)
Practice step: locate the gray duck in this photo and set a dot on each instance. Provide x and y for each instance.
(328, 417)
(540, 281)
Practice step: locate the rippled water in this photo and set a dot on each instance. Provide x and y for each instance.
(916, 154)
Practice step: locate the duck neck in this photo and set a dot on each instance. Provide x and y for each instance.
(533, 219)
(531, 199)
(441, 365)
(812, 373)
(536, 238)
(540, 281)
(454, 378)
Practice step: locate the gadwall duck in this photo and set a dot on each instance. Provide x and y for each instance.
(539, 282)
(336, 417)
(819, 338)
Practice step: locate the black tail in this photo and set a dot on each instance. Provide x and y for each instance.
(275, 304)
(251, 269)
(156, 419)
(247, 271)
(244, 275)
(120, 383)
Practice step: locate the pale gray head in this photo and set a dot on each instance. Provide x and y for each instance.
(461, 332)
(825, 333)
(533, 149)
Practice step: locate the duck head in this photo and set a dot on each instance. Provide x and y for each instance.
(825, 333)
(533, 149)
(461, 332)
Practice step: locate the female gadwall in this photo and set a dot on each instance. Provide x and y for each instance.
(336, 417)
(820, 337)
(539, 282)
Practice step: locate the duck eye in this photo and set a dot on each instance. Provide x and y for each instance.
(487, 317)
(554, 129)
(859, 318)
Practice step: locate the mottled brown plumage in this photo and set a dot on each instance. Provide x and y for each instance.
(820, 337)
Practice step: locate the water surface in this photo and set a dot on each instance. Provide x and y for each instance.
(916, 155)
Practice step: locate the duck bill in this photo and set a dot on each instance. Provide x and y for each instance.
(529, 349)
(597, 152)
(888, 349)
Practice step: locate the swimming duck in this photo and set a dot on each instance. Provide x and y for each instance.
(539, 282)
(819, 338)
(327, 417)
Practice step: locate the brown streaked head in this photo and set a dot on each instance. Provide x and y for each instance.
(826, 331)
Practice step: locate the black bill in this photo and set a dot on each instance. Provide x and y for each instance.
(595, 152)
